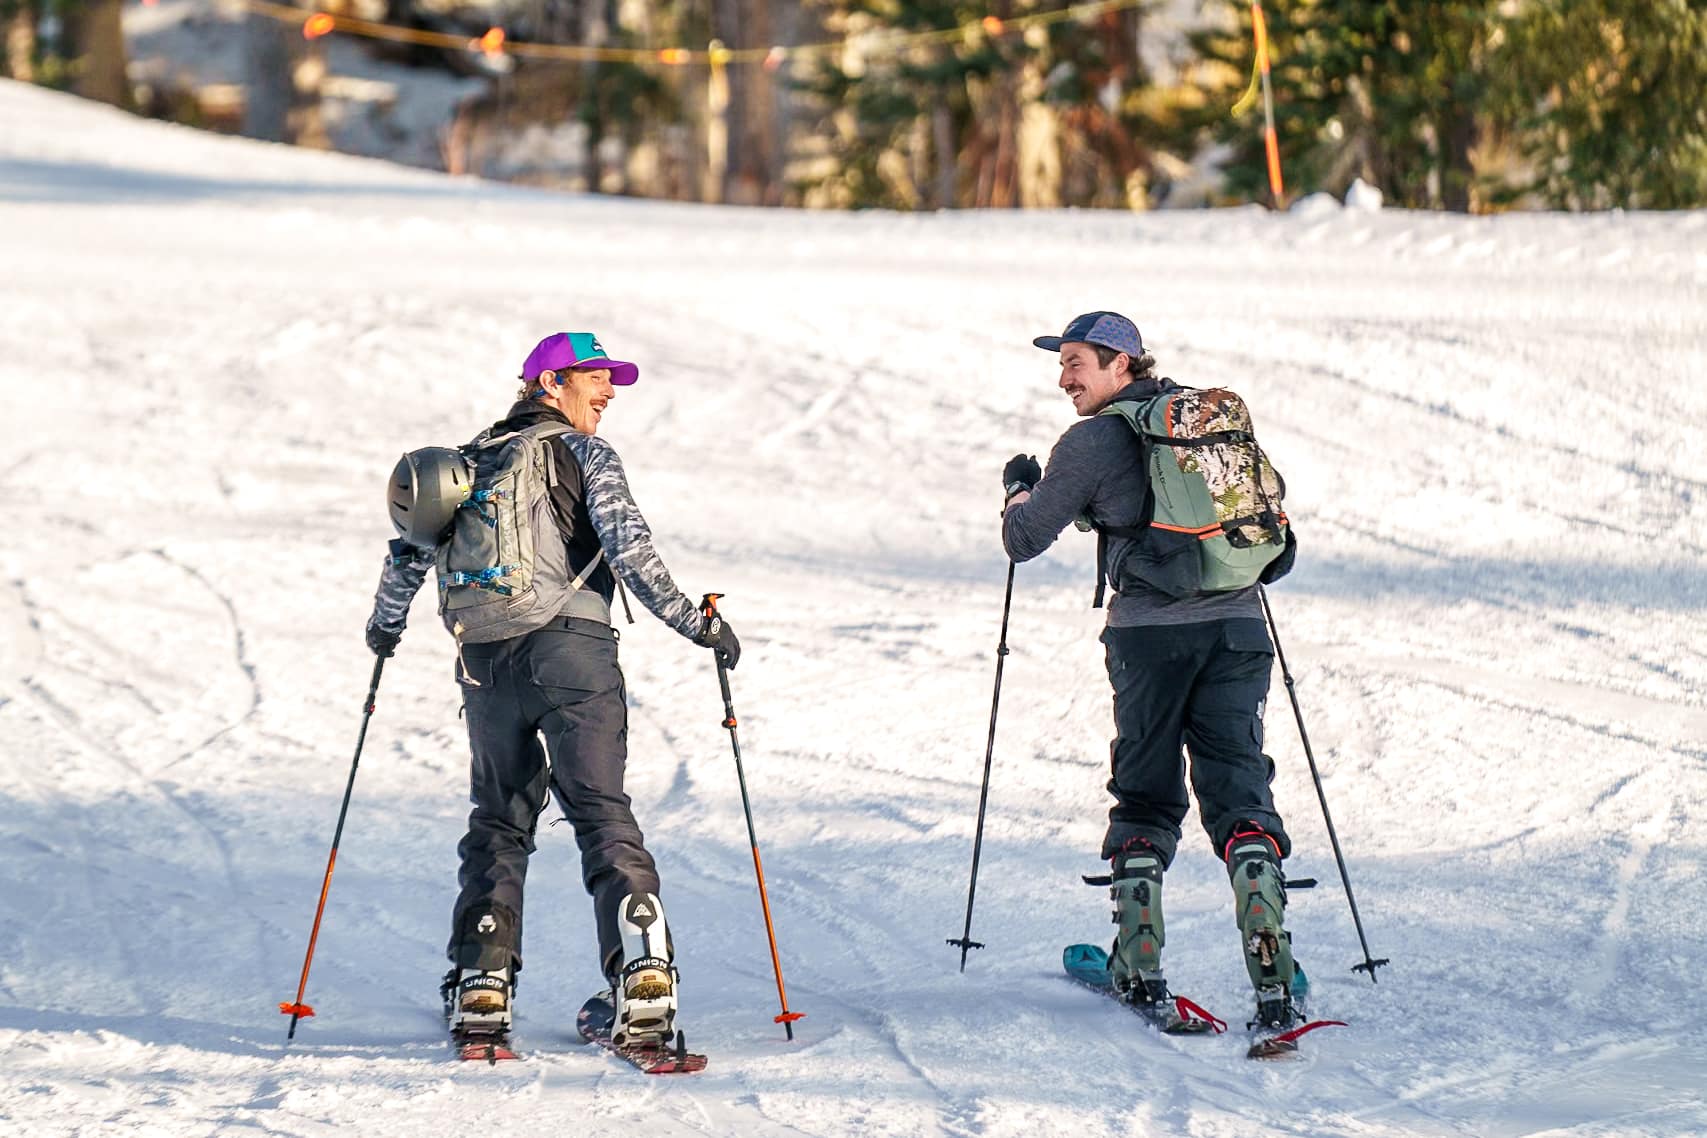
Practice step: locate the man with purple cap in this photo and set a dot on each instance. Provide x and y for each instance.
(1190, 674)
(556, 678)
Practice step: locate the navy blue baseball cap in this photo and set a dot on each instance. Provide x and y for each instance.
(1106, 329)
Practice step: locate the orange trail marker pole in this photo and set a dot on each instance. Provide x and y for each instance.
(298, 1009)
(1271, 141)
(708, 608)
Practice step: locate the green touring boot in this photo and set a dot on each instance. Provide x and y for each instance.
(1135, 965)
(1137, 895)
(1259, 899)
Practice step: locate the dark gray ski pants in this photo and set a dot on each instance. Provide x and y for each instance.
(1201, 687)
(561, 682)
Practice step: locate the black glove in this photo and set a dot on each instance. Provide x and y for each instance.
(717, 635)
(1021, 473)
(383, 641)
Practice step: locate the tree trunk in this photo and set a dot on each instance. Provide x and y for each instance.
(97, 30)
(727, 100)
(267, 81)
(942, 146)
(595, 32)
(785, 27)
(1004, 166)
(21, 44)
(1457, 133)
(307, 116)
(752, 111)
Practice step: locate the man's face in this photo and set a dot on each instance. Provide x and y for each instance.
(1087, 383)
(583, 398)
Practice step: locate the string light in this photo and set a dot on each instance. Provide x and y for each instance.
(771, 57)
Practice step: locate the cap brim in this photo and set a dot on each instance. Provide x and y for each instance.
(621, 374)
(1053, 344)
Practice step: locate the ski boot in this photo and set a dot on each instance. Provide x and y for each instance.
(643, 988)
(1259, 898)
(1135, 964)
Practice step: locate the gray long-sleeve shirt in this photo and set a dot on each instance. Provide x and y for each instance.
(1096, 470)
(621, 529)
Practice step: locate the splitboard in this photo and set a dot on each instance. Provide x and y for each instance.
(489, 1046)
(1087, 964)
(594, 1022)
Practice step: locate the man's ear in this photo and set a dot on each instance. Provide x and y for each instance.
(549, 379)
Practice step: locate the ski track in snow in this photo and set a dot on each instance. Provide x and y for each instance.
(1495, 441)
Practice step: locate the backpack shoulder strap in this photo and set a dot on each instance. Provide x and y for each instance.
(542, 433)
(547, 430)
(1128, 408)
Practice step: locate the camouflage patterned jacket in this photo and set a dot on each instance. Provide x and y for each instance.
(604, 504)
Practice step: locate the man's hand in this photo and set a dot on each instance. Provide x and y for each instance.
(382, 641)
(718, 636)
(1021, 474)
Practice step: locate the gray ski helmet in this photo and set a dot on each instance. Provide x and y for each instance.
(426, 488)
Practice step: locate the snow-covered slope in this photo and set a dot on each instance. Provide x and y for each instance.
(211, 351)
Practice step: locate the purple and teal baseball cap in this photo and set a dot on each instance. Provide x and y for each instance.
(1107, 329)
(563, 350)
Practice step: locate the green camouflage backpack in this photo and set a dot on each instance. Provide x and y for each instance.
(1216, 523)
(504, 568)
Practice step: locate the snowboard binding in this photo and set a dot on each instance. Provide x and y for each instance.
(643, 990)
(477, 1011)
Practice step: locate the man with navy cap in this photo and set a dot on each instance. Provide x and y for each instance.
(1190, 674)
(559, 681)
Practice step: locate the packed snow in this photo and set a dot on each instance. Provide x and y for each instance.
(1494, 433)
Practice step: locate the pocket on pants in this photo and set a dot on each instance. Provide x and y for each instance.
(1247, 636)
(577, 664)
(474, 669)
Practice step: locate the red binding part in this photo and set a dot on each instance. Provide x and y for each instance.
(789, 1017)
(1289, 1036)
(1187, 1010)
(1255, 832)
(301, 1010)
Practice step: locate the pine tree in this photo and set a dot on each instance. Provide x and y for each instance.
(1098, 87)
(1390, 92)
(988, 113)
(1606, 100)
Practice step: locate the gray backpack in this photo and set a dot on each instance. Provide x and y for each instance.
(504, 567)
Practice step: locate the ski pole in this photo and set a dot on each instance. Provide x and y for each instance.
(965, 941)
(298, 1009)
(708, 609)
(1370, 964)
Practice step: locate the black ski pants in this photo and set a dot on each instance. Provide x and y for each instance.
(1200, 687)
(561, 683)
